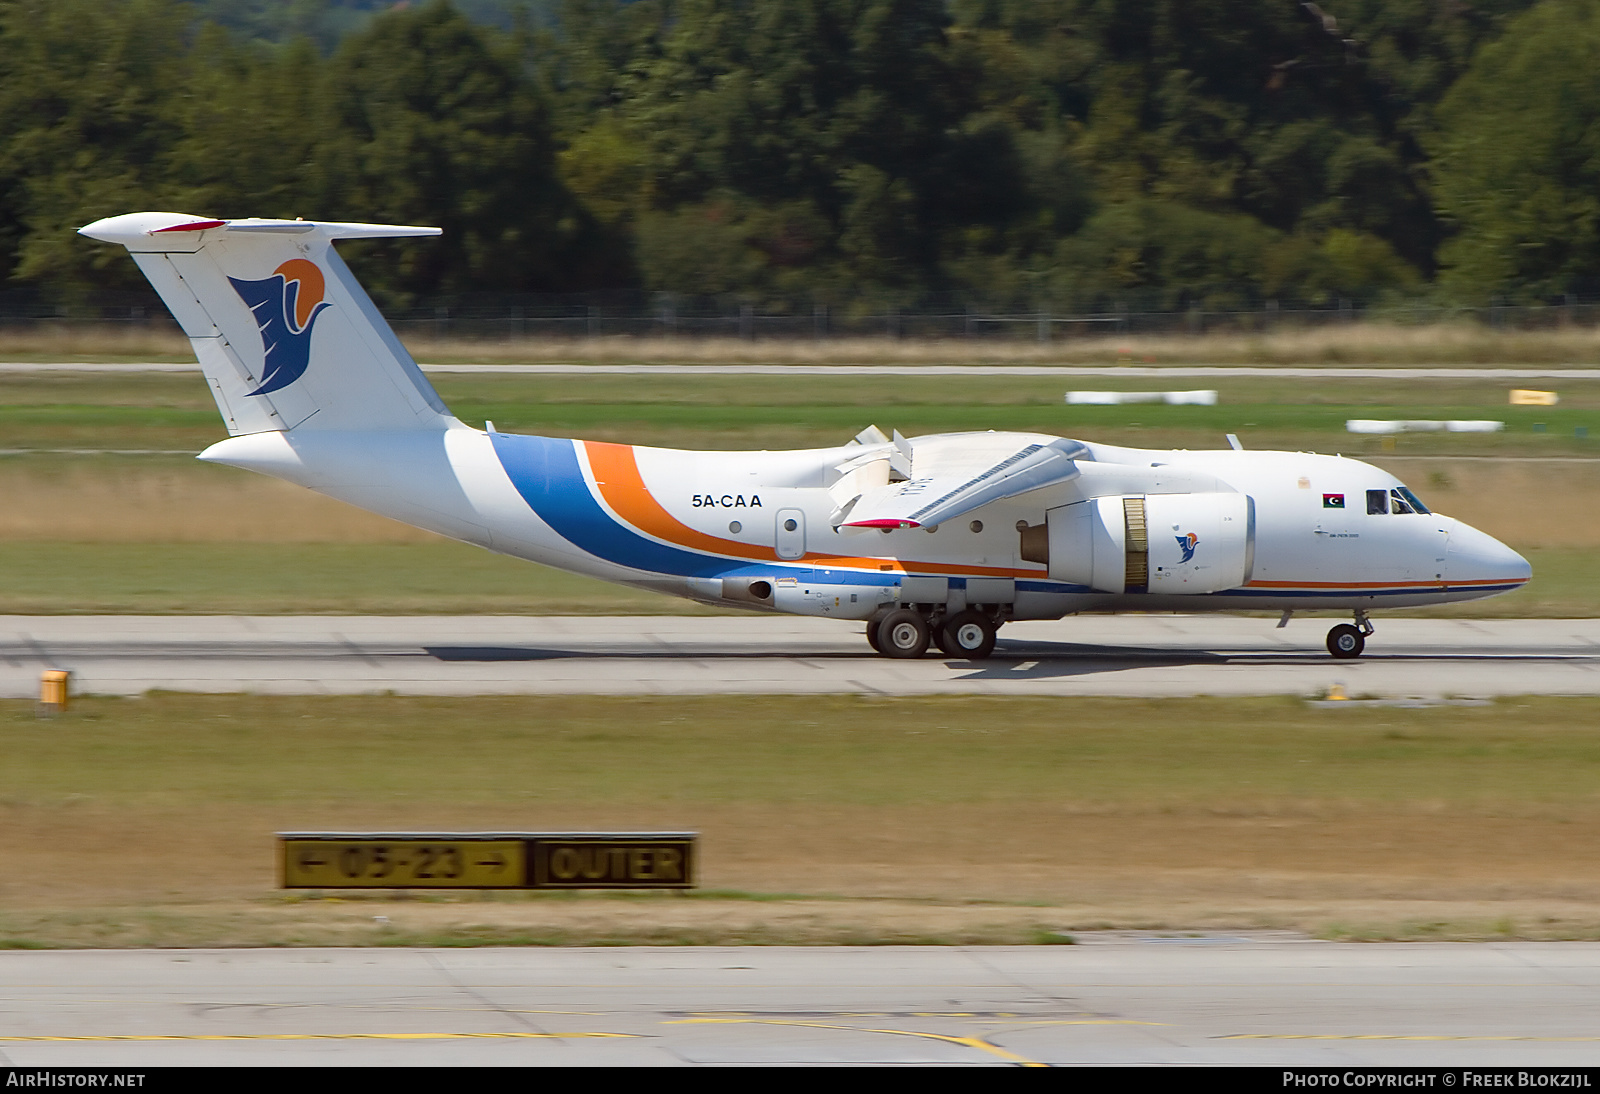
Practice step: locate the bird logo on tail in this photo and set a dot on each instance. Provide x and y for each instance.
(285, 306)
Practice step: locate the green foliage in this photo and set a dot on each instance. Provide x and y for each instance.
(254, 132)
(327, 22)
(86, 91)
(821, 136)
(421, 117)
(859, 153)
(1518, 166)
(435, 122)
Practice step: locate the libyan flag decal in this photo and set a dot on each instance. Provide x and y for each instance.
(1333, 501)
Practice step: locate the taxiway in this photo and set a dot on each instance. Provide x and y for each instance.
(1130, 655)
(1197, 999)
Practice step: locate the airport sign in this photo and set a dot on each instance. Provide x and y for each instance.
(486, 860)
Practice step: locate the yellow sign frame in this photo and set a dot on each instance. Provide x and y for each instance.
(487, 860)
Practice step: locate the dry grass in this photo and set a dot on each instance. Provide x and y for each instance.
(149, 822)
(103, 535)
(1371, 342)
(1526, 503)
(1143, 858)
(176, 501)
(69, 341)
(732, 919)
(1361, 343)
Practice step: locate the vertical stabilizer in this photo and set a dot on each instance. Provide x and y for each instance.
(287, 338)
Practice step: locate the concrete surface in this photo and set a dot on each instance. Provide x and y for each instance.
(1125, 1000)
(1156, 655)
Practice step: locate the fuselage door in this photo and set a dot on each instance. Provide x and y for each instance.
(790, 537)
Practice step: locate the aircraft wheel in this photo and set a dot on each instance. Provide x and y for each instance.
(969, 634)
(872, 631)
(1346, 642)
(903, 633)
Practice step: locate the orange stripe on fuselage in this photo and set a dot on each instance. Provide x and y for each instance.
(616, 473)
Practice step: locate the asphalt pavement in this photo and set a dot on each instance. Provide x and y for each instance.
(1128, 655)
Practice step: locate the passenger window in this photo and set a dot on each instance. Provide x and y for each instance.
(1377, 501)
(1400, 503)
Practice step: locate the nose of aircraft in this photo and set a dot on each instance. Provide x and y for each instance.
(1477, 558)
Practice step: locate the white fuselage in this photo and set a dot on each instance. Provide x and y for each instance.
(716, 525)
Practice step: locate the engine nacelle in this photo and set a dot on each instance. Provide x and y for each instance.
(1157, 543)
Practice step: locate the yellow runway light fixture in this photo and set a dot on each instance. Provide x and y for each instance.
(54, 687)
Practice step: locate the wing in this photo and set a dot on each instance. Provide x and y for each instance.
(919, 502)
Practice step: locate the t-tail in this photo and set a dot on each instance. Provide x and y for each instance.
(313, 385)
(287, 338)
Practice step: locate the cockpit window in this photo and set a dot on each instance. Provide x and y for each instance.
(1406, 502)
(1377, 501)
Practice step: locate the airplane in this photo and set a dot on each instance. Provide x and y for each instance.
(935, 540)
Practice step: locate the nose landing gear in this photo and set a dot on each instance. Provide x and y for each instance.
(1346, 642)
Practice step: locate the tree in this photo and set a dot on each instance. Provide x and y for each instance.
(253, 134)
(437, 121)
(1518, 160)
(823, 146)
(86, 96)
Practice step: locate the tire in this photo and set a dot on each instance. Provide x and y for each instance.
(968, 634)
(1345, 642)
(903, 634)
(872, 631)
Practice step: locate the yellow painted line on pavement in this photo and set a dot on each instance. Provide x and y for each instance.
(970, 1042)
(313, 1036)
(1393, 1037)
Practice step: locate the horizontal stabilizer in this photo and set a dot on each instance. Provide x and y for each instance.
(168, 232)
(920, 502)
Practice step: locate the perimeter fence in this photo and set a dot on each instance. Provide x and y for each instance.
(658, 315)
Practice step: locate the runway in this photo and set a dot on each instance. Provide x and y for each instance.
(1108, 372)
(1130, 655)
(1127, 1000)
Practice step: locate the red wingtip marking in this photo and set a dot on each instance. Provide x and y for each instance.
(882, 523)
(192, 226)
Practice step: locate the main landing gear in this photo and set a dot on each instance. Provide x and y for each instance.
(907, 633)
(1346, 642)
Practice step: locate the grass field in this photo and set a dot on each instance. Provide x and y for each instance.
(825, 820)
(55, 578)
(155, 411)
(161, 533)
(1372, 342)
(235, 578)
(150, 821)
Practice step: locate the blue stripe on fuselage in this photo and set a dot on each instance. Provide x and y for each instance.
(546, 472)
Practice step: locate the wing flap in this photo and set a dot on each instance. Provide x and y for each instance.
(920, 502)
